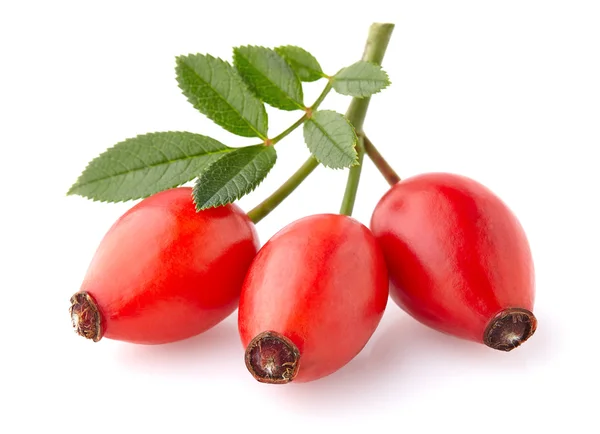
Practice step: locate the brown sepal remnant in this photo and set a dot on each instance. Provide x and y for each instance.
(272, 358)
(85, 316)
(509, 329)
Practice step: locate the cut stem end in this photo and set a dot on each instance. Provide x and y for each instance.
(509, 329)
(272, 358)
(85, 316)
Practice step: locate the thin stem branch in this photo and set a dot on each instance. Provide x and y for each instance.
(377, 42)
(321, 97)
(289, 130)
(270, 203)
(263, 209)
(382, 165)
(306, 115)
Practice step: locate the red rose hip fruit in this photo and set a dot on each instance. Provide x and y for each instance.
(458, 259)
(312, 298)
(165, 272)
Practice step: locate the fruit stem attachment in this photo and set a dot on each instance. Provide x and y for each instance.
(377, 43)
(509, 329)
(382, 165)
(86, 317)
(270, 203)
(272, 358)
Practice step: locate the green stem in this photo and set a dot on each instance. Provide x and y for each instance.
(353, 180)
(379, 36)
(306, 115)
(289, 130)
(263, 209)
(382, 165)
(271, 202)
(321, 97)
(377, 42)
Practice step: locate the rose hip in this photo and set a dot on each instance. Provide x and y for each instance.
(458, 259)
(165, 272)
(312, 298)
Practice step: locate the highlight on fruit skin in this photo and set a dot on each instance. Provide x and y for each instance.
(311, 300)
(458, 259)
(165, 272)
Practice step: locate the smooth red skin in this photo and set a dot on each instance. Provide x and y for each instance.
(322, 282)
(165, 272)
(456, 254)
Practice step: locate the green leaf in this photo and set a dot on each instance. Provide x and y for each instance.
(302, 62)
(269, 77)
(144, 165)
(360, 80)
(233, 176)
(214, 87)
(331, 139)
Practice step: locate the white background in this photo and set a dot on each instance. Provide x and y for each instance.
(505, 92)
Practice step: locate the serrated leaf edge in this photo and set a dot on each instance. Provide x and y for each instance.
(299, 106)
(70, 192)
(355, 141)
(237, 197)
(387, 84)
(243, 83)
(320, 72)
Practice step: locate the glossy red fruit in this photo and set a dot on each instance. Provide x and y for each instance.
(165, 272)
(458, 259)
(312, 298)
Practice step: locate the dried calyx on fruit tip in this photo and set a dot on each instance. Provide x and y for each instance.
(509, 329)
(85, 316)
(272, 358)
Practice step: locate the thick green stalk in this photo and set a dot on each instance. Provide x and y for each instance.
(271, 202)
(377, 42)
(353, 180)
